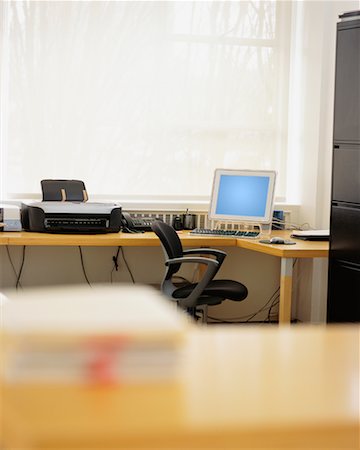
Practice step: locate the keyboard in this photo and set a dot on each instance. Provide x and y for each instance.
(225, 233)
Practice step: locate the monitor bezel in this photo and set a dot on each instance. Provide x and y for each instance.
(267, 218)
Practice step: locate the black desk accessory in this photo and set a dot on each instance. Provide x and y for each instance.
(311, 235)
(177, 223)
(136, 224)
(189, 221)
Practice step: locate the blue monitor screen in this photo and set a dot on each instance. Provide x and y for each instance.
(242, 195)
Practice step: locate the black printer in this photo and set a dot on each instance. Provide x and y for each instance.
(71, 217)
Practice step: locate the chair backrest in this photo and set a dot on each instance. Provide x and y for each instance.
(170, 242)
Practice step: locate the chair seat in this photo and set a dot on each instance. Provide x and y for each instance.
(220, 289)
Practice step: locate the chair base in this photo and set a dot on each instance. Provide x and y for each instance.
(198, 313)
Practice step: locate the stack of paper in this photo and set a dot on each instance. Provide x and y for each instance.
(99, 334)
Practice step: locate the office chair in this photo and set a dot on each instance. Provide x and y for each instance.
(193, 295)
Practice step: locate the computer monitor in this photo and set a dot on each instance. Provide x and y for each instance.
(242, 195)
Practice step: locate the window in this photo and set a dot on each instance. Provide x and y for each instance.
(142, 99)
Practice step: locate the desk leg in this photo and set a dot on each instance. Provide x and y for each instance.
(285, 290)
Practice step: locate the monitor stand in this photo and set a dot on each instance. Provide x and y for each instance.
(265, 229)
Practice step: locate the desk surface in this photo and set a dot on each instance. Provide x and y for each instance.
(241, 387)
(302, 249)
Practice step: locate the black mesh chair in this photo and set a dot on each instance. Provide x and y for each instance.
(207, 291)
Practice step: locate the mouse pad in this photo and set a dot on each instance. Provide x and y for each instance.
(267, 241)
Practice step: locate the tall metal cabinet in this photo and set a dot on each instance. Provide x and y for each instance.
(344, 262)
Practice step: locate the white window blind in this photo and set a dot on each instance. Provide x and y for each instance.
(142, 99)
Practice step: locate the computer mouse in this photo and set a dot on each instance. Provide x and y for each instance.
(277, 240)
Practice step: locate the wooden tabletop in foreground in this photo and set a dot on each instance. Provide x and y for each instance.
(239, 387)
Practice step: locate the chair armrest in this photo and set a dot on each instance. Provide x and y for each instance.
(212, 268)
(219, 254)
(197, 260)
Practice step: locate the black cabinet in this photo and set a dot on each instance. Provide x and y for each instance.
(346, 173)
(347, 91)
(345, 232)
(344, 257)
(344, 297)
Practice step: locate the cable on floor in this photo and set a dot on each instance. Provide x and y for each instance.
(247, 318)
(115, 260)
(250, 316)
(275, 315)
(17, 276)
(127, 265)
(83, 267)
(21, 267)
(291, 225)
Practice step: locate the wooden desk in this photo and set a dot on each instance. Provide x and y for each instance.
(287, 253)
(241, 387)
(108, 240)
